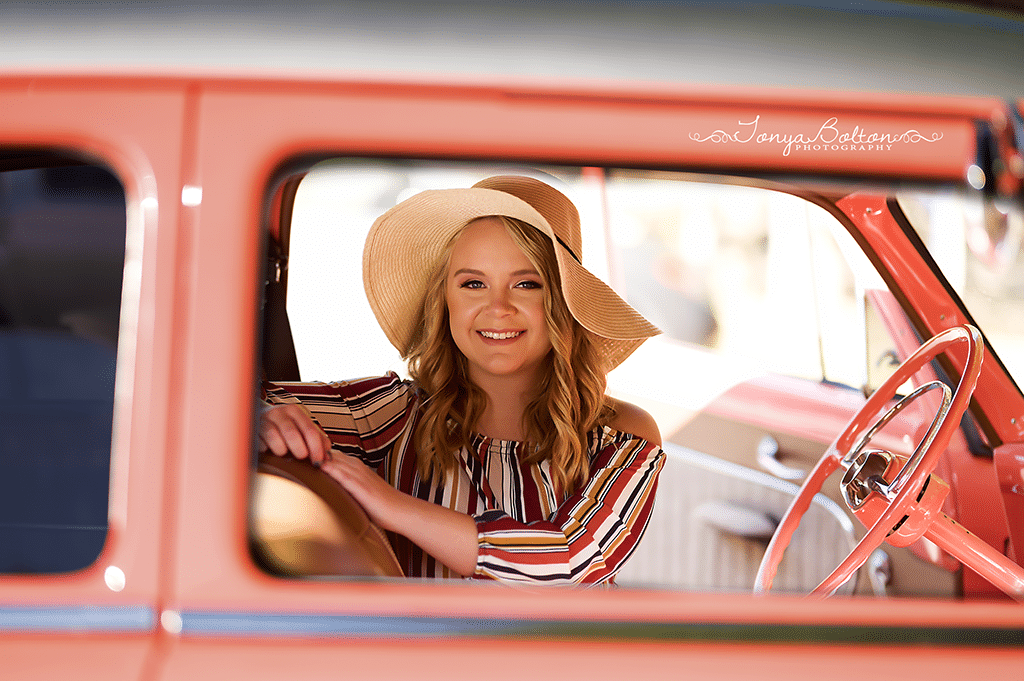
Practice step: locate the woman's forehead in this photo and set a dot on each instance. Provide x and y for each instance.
(486, 240)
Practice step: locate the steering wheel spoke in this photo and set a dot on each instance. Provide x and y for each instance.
(895, 497)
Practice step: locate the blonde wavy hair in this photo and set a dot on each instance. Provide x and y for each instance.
(570, 400)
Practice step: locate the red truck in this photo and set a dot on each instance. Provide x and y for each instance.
(171, 236)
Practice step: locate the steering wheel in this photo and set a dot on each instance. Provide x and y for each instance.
(894, 496)
(303, 523)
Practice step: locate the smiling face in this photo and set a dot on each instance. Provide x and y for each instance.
(496, 304)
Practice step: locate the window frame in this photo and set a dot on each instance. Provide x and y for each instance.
(250, 139)
(84, 118)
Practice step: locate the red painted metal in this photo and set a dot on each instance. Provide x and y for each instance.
(184, 422)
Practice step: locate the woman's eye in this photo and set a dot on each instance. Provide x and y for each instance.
(472, 283)
(529, 284)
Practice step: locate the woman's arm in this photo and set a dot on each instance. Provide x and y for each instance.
(447, 535)
(326, 421)
(591, 534)
(361, 418)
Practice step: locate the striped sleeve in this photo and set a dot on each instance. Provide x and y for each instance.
(590, 535)
(362, 417)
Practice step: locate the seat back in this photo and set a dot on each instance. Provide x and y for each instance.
(711, 523)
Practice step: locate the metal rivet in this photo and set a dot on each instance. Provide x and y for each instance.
(976, 177)
(170, 620)
(191, 195)
(114, 578)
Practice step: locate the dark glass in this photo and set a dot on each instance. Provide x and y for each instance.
(62, 246)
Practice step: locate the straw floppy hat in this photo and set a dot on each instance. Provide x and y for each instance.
(405, 243)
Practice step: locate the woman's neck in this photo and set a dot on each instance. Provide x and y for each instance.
(507, 399)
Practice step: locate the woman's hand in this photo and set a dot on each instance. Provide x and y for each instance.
(447, 535)
(377, 497)
(289, 428)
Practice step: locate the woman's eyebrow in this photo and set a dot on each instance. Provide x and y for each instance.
(478, 273)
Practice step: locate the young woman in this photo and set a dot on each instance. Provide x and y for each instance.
(502, 457)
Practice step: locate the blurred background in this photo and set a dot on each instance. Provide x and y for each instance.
(947, 47)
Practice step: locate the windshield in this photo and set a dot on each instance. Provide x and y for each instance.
(978, 244)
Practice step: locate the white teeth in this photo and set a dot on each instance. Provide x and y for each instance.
(500, 336)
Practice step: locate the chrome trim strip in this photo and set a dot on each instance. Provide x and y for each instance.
(279, 625)
(82, 619)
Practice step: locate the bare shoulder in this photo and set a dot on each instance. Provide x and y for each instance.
(630, 418)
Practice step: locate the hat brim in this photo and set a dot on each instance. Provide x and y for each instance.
(405, 243)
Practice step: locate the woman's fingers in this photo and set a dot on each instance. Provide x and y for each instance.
(365, 486)
(288, 428)
(448, 535)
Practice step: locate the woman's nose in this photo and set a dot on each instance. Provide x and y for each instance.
(501, 302)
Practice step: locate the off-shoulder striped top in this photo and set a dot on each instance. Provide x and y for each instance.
(527, 531)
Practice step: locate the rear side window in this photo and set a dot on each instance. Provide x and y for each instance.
(62, 243)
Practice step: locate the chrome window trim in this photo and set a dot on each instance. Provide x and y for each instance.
(78, 619)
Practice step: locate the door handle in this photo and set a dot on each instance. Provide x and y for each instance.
(768, 459)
